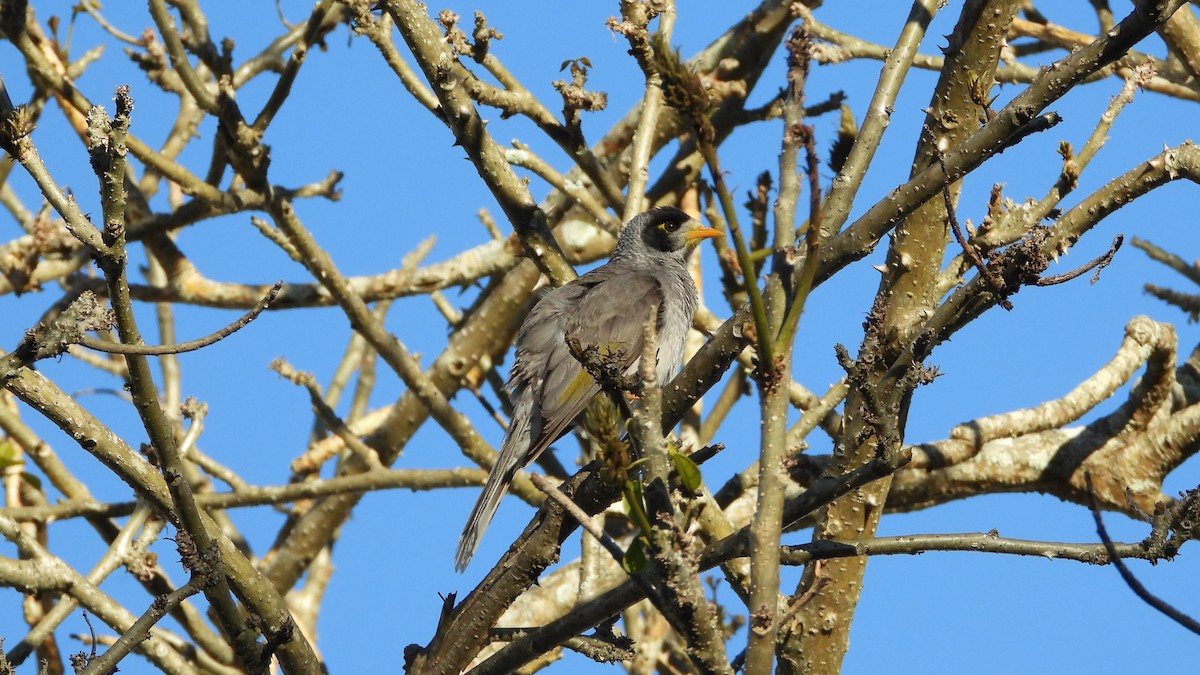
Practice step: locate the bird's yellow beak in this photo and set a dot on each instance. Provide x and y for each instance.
(698, 232)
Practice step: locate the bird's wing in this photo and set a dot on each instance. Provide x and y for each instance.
(538, 344)
(609, 315)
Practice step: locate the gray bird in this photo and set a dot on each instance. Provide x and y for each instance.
(606, 308)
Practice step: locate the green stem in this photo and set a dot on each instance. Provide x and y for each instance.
(758, 310)
(803, 287)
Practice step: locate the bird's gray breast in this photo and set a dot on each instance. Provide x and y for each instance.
(679, 307)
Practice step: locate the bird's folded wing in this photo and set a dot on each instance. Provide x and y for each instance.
(610, 316)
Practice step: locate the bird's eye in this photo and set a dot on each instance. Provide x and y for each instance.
(672, 226)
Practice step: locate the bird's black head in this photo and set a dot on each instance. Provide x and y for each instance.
(662, 230)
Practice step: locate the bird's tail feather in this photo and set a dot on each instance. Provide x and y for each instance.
(511, 458)
(481, 515)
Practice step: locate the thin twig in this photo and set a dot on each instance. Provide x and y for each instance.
(140, 630)
(593, 528)
(585, 521)
(1097, 264)
(1134, 585)
(1177, 263)
(358, 483)
(605, 648)
(994, 282)
(189, 346)
(326, 414)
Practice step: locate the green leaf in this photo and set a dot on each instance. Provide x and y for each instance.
(689, 471)
(635, 559)
(9, 454)
(32, 480)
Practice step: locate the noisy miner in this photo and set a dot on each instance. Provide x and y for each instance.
(604, 309)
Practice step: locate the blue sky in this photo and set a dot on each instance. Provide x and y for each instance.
(943, 612)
